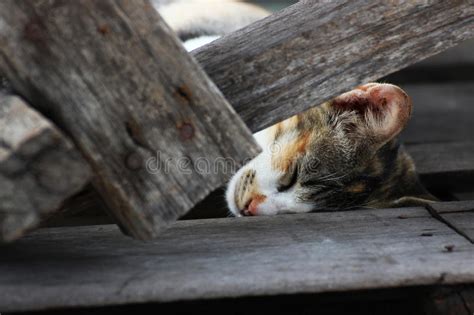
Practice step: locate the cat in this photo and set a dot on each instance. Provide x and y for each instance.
(343, 154)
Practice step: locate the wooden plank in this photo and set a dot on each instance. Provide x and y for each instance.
(132, 99)
(441, 112)
(314, 50)
(445, 166)
(433, 158)
(34, 158)
(467, 295)
(458, 215)
(84, 208)
(216, 258)
(458, 55)
(453, 206)
(453, 65)
(463, 222)
(448, 301)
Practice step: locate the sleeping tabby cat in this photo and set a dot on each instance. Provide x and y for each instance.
(343, 154)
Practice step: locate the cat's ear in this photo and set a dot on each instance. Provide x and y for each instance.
(383, 109)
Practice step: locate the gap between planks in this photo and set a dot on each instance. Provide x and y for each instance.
(448, 213)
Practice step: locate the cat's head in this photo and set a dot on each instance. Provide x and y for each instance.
(342, 154)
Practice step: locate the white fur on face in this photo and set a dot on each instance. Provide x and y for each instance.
(266, 181)
(209, 16)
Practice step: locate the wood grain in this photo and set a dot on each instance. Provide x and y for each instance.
(39, 168)
(314, 50)
(214, 258)
(454, 65)
(445, 166)
(441, 112)
(456, 56)
(463, 222)
(459, 215)
(116, 78)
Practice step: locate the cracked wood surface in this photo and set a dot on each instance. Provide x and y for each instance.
(459, 215)
(117, 80)
(233, 257)
(39, 168)
(314, 50)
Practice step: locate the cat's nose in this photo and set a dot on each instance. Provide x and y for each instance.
(246, 212)
(251, 208)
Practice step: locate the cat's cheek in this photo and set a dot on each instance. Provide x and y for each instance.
(230, 193)
(276, 204)
(266, 208)
(283, 204)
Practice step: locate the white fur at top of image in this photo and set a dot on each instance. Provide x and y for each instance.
(211, 18)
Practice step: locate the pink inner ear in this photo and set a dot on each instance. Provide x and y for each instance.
(389, 104)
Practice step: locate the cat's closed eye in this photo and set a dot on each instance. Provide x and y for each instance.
(288, 179)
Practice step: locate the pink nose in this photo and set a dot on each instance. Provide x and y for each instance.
(252, 208)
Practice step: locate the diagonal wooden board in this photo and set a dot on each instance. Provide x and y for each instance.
(111, 73)
(319, 252)
(314, 50)
(34, 158)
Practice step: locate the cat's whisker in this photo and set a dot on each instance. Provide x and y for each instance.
(336, 178)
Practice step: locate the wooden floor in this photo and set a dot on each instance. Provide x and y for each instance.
(239, 257)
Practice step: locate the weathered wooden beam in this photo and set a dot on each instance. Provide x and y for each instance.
(143, 113)
(39, 168)
(460, 55)
(441, 112)
(459, 215)
(314, 50)
(445, 166)
(216, 258)
(439, 158)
